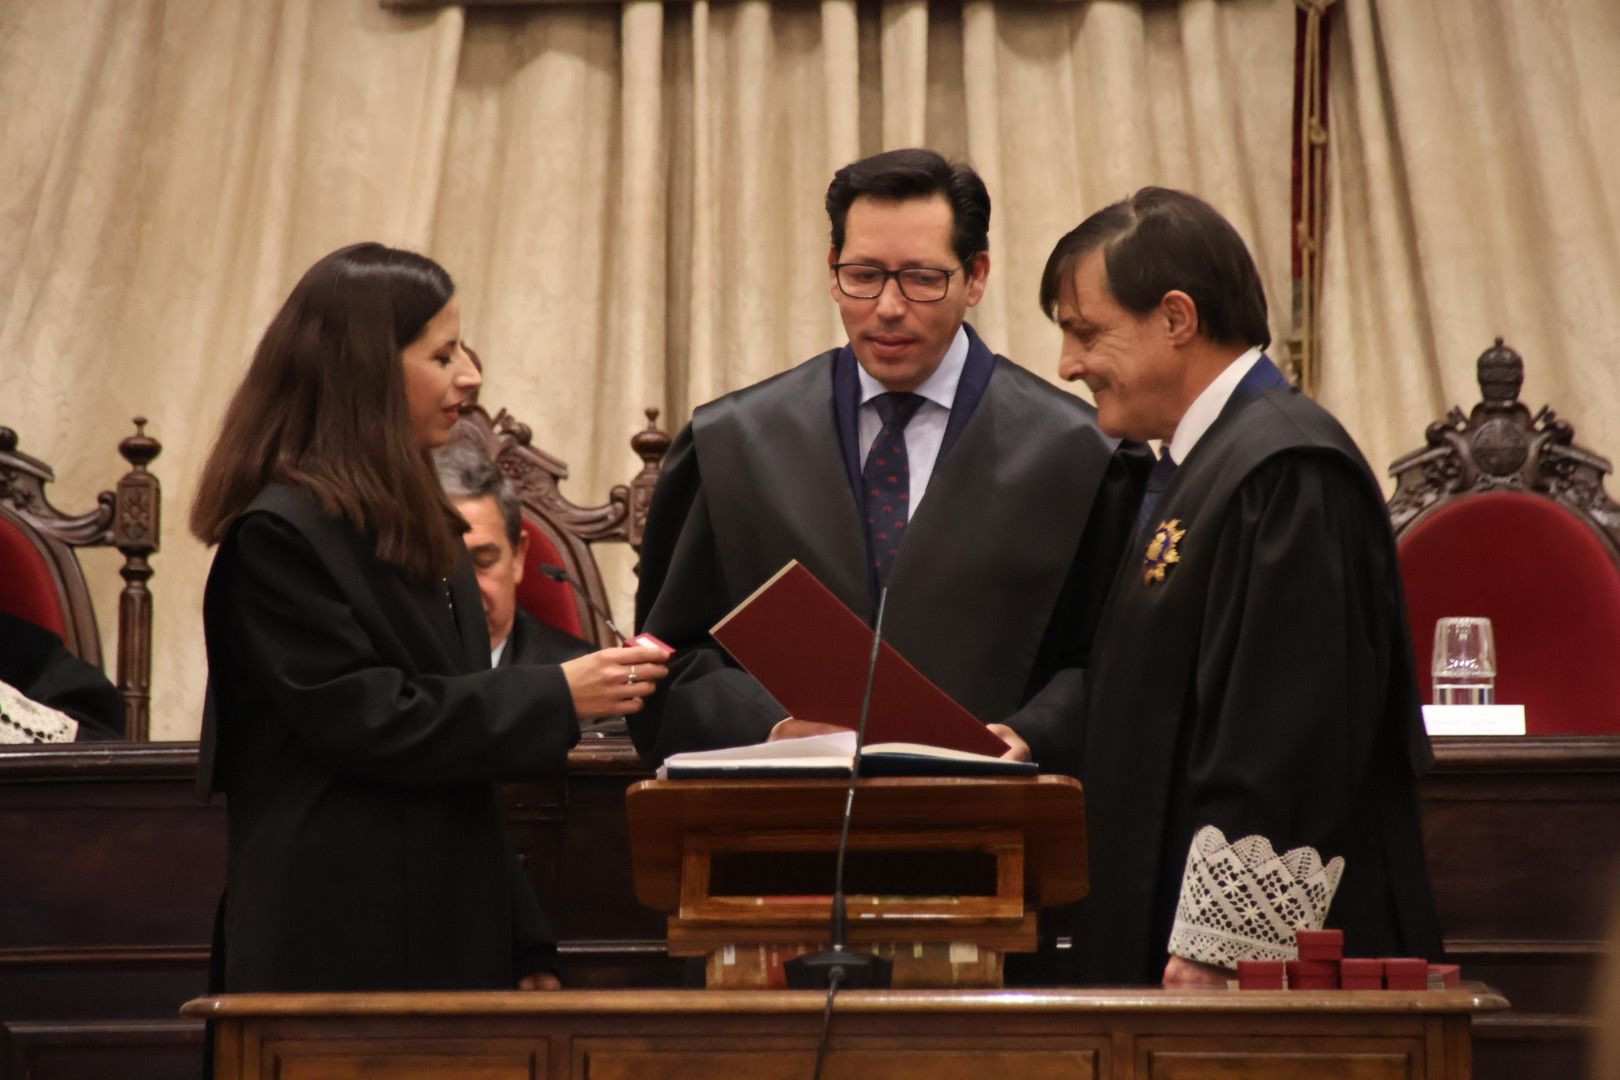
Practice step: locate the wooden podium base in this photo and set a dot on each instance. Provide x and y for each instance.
(943, 876)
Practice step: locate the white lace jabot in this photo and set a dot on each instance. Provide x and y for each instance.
(1243, 901)
(24, 720)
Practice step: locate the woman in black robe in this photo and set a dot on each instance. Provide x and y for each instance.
(353, 721)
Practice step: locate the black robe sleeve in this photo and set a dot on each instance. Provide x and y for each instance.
(298, 642)
(1051, 719)
(706, 701)
(33, 660)
(534, 942)
(1294, 702)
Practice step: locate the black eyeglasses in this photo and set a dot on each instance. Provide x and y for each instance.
(919, 284)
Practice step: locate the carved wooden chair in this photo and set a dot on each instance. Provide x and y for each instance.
(561, 532)
(1501, 514)
(40, 576)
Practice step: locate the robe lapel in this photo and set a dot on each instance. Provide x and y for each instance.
(820, 467)
(428, 628)
(777, 483)
(472, 632)
(846, 405)
(975, 380)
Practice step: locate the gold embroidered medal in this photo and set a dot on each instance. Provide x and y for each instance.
(1162, 552)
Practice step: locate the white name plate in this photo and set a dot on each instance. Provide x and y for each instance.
(1474, 719)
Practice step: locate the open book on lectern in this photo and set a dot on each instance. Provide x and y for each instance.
(830, 756)
(811, 653)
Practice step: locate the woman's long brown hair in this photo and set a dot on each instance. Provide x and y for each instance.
(322, 407)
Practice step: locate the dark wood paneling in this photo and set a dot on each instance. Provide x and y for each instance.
(112, 868)
(1520, 837)
(129, 1050)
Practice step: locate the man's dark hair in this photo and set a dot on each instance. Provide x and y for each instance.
(465, 472)
(915, 174)
(1158, 240)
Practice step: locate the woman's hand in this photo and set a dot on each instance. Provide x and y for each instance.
(612, 682)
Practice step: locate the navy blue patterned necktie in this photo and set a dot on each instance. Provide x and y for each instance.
(1158, 479)
(888, 480)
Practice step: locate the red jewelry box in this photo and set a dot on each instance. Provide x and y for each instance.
(1313, 975)
(1320, 944)
(1443, 976)
(1361, 974)
(1406, 973)
(1260, 974)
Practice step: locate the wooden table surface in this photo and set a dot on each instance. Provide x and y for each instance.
(889, 1035)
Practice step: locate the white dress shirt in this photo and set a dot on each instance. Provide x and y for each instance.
(926, 432)
(1206, 407)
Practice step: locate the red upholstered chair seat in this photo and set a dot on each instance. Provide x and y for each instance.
(28, 589)
(1550, 586)
(552, 602)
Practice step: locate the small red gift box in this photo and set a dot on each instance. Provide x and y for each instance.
(1313, 975)
(1361, 974)
(1443, 976)
(1406, 973)
(1320, 944)
(1260, 974)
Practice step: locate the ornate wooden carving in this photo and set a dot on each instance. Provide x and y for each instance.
(573, 528)
(1500, 446)
(651, 443)
(135, 530)
(127, 519)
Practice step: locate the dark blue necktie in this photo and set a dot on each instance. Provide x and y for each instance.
(888, 480)
(1158, 479)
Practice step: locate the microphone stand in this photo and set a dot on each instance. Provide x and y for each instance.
(838, 965)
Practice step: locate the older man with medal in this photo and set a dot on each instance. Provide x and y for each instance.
(1253, 733)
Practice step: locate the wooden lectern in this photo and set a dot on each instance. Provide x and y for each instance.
(943, 875)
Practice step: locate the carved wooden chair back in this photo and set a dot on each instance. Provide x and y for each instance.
(43, 580)
(562, 533)
(1501, 514)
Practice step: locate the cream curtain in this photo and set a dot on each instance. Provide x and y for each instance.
(630, 196)
(173, 167)
(1474, 192)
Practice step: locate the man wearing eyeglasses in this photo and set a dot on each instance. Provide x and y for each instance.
(985, 499)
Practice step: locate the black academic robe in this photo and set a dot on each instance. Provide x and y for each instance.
(534, 642)
(1264, 685)
(995, 591)
(34, 660)
(356, 729)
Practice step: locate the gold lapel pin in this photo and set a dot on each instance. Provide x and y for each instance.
(1162, 552)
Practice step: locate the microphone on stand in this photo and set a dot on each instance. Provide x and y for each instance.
(558, 574)
(840, 966)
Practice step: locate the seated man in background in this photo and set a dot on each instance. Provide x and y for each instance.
(37, 671)
(1255, 675)
(985, 499)
(497, 544)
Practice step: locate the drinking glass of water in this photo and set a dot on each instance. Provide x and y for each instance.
(1464, 667)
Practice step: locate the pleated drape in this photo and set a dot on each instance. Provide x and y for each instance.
(629, 196)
